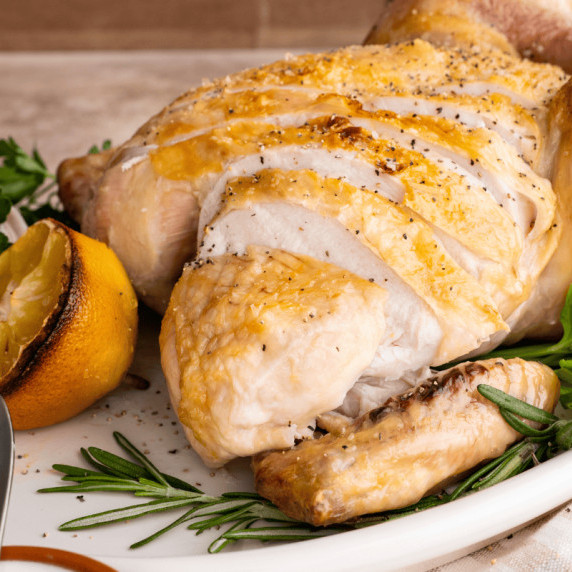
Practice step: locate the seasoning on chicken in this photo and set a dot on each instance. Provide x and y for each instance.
(261, 344)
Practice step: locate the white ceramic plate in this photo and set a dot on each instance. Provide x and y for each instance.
(145, 417)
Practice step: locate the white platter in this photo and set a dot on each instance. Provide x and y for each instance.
(416, 542)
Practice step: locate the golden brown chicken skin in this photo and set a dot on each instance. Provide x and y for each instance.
(393, 455)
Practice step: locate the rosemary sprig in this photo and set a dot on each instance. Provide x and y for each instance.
(143, 479)
(240, 511)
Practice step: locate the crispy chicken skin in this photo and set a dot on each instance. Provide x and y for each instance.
(393, 455)
(407, 122)
(255, 346)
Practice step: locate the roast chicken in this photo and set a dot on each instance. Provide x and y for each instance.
(336, 225)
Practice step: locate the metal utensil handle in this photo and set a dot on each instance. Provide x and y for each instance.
(6, 463)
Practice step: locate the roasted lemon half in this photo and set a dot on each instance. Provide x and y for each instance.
(68, 324)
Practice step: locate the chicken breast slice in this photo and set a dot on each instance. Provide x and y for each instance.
(255, 346)
(398, 79)
(523, 129)
(378, 70)
(262, 210)
(395, 454)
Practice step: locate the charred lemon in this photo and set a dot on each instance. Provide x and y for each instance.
(68, 324)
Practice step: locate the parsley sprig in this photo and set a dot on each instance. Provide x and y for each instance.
(21, 174)
(26, 183)
(94, 149)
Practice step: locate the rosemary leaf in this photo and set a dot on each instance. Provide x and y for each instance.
(524, 429)
(126, 513)
(96, 486)
(514, 405)
(101, 468)
(158, 490)
(127, 446)
(74, 471)
(468, 483)
(220, 543)
(218, 507)
(207, 523)
(175, 523)
(279, 533)
(179, 484)
(514, 464)
(239, 495)
(98, 478)
(107, 461)
(121, 465)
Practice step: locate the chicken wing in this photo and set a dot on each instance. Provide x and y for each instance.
(394, 455)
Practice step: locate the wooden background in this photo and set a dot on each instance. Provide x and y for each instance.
(179, 24)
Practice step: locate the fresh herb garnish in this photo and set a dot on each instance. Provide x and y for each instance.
(26, 183)
(21, 174)
(555, 355)
(240, 511)
(143, 479)
(105, 146)
(21, 179)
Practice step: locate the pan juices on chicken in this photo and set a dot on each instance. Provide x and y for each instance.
(356, 217)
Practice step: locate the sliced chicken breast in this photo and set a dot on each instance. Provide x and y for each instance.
(399, 94)
(255, 346)
(329, 219)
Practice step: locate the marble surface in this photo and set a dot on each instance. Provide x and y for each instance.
(65, 102)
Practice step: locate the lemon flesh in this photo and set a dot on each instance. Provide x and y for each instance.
(34, 279)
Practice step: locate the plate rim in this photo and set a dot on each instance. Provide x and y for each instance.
(440, 534)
